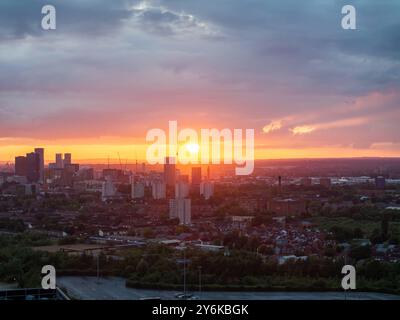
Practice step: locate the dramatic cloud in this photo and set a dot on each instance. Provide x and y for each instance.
(161, 21)
(117, 68)
(329, 125)
(303, 129)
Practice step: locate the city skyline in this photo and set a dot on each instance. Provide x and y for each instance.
(198, 150)
(116, 160)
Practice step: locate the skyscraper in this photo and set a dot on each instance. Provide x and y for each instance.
(67, 159)
(20, 166)
(33, 167)
(181, 209)
(59, 161)
(181, 190)
(40, 152)
(196, 176)
(170, 172)
(196, 179)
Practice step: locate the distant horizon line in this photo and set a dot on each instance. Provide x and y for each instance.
(106, 161)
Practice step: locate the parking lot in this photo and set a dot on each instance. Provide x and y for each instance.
(91, 288)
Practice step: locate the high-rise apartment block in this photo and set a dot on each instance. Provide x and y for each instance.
(181, 209)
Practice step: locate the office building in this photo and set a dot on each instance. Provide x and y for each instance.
(196, 180)
(32, 167)
(170, 172)
(59, 161)
(67, 159)
(20, 166)
(40, 153)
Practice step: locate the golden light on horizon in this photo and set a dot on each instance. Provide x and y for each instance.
(193, 148)
(100, 153)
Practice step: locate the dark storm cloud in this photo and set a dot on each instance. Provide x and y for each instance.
(305, 37)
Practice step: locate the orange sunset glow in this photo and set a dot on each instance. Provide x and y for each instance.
(199, 158)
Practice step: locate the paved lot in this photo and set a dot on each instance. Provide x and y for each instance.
(7, 286)
(91, 288)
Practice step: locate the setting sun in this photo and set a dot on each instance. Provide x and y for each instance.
(192, 147)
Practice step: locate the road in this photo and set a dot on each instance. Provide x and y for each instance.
(91, 288)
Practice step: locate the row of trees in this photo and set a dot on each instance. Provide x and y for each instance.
(379, 235)
(159, 266)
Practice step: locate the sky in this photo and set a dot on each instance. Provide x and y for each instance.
(112, 70)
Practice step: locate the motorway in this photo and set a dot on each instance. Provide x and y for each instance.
(112, 288)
